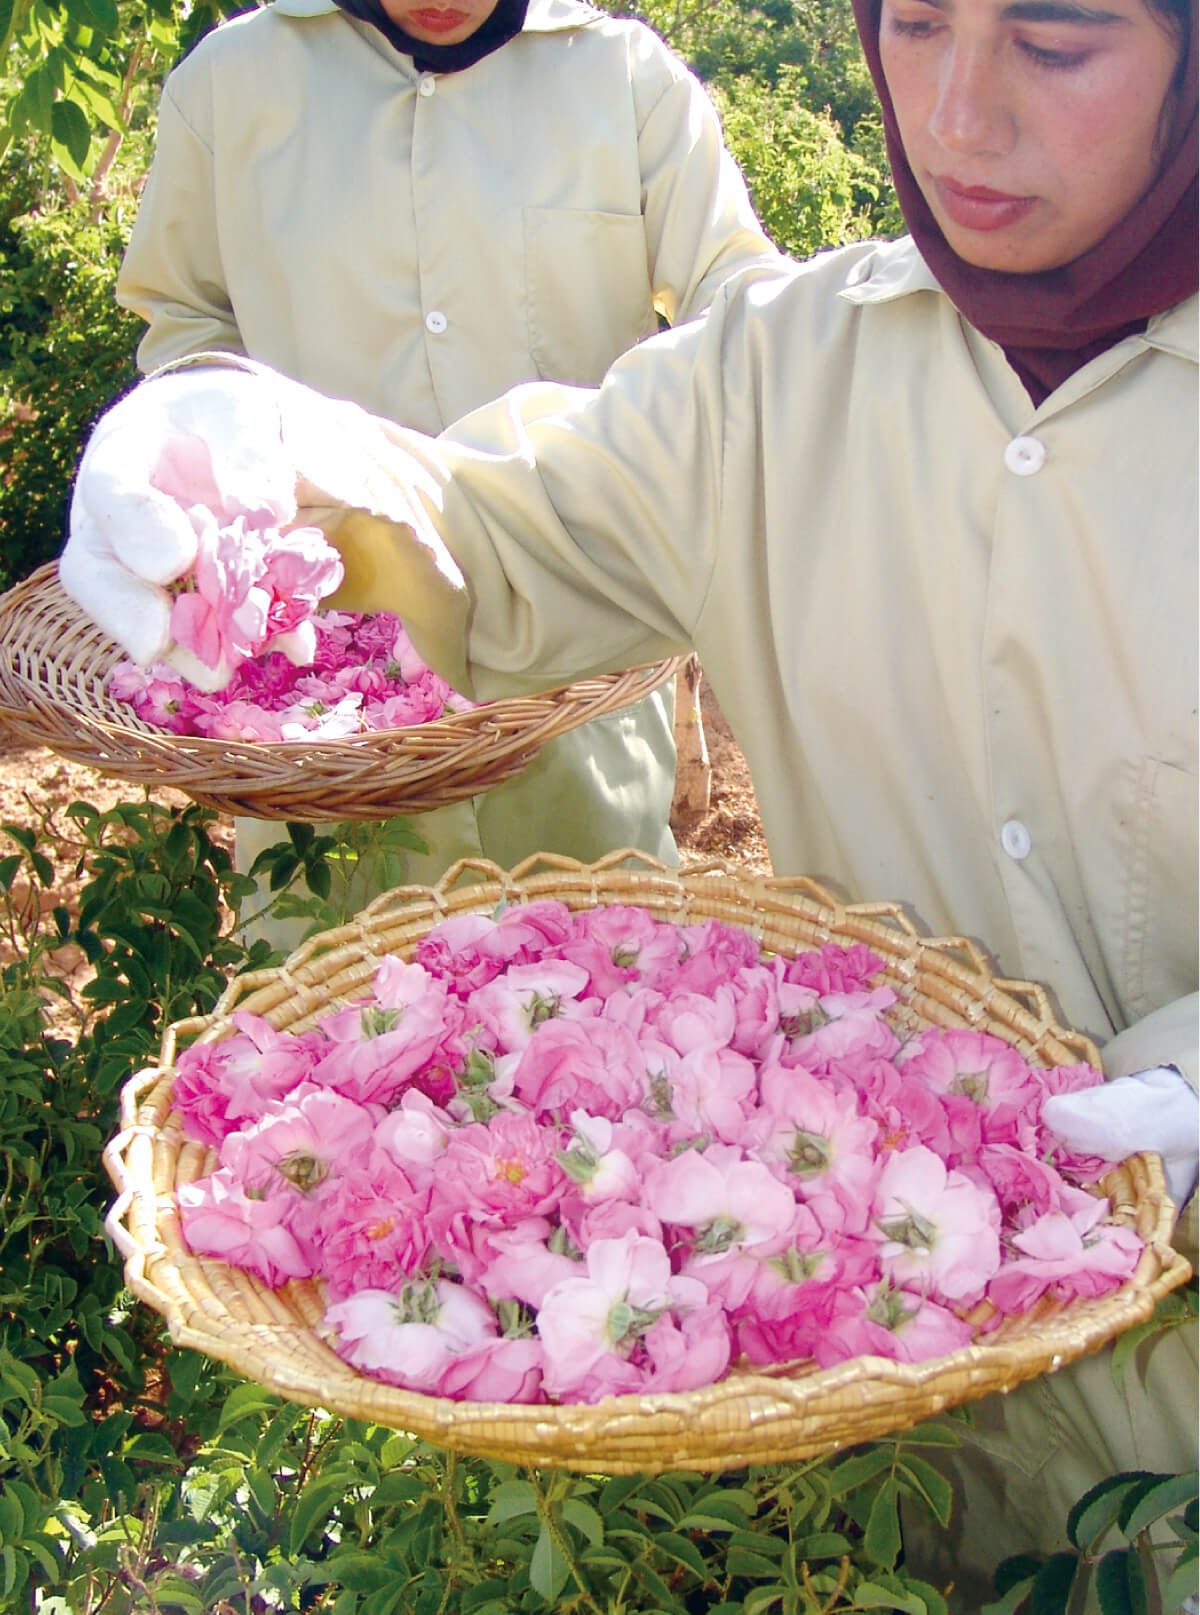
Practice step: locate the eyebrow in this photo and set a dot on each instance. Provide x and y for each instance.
(1062, 11)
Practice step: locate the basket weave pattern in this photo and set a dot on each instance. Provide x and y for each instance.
(746, 1418)
(53, 673)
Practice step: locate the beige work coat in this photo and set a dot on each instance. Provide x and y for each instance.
(418, 243)
(955, 635)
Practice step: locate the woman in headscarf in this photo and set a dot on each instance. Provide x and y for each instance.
(416, 205)
(928, 512)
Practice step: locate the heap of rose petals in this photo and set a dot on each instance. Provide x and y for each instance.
(248, 618)
(564, 1155)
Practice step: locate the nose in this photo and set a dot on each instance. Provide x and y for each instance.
(972, 115)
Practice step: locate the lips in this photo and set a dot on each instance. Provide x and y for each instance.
(977, 207)
(439, 22)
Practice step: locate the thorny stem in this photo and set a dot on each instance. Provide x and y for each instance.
(546, 1516)
(839, 1588)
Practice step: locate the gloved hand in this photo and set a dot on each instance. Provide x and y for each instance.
(238, 442)
(1150, 1110)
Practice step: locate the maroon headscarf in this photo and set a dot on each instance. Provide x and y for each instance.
(1052, 322)
(503, 23)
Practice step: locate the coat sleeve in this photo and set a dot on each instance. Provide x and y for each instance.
(172, 274)
(701, 228)
(587, 524)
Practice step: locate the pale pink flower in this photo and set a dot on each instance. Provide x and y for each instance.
(590, 1326)
(220, 1219)
(1068, 1256)
(984, 1070)
(712, 955)
(222, 618)
(301, 568)
(514, 1005)
(521, 1265)
(687, 1350)
(939, 1232)
(495, 1371)
(492, 1175)
(882, 1321)
(723, 1198)
(414, 1135)
(410, 1337)
(221, 1086)
(689, 1021)
(818, 1137)
(620, 946)
(593, 1065)
(598, 1169)
(371, 1229)
(300, 1142)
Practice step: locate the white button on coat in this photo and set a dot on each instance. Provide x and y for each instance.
(1025, 456)
(1015, 839)
(436, 321)
(426, 84)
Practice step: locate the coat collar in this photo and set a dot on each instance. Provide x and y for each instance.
(895, 268)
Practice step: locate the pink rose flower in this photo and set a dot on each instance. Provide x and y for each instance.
(220, 1219)
(409, 1338)
(495, 1371)
(593, 1065)
(1066, 1256)
(939, 1232)
(372, 1230)
(723, 1198)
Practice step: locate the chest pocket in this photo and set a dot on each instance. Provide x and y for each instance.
(587, 288)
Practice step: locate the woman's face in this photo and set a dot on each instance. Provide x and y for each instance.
(1031, 125)
(440, 22)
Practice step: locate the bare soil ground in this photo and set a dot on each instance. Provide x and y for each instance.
(35, 783)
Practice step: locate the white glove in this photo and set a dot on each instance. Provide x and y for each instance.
(239, 442)
(1150, 1110)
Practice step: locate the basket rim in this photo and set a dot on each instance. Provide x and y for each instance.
(51, 693)
(776, 1406)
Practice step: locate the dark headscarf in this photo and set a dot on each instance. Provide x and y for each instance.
(504, 24)
(1052, 322)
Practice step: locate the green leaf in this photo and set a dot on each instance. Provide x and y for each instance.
(1120, 1585)
(548, 1570)
(1052, 1584)
(245, 1401)
(511, 1499)
(1012, 1599)
(1097, 1510)
(930, 1434)
(1151, 1505)
(744, 1562)
(585, 1520)
(870, 1595)
(680, 1549)
(1183, 1582)
(931, 1484)
(313, 1505)
(882, 1538)
(854, 1472)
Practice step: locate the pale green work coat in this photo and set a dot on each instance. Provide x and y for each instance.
(955, 636)
(418, 243)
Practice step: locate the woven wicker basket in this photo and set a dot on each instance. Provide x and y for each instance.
(748, 1417)
(52, 693)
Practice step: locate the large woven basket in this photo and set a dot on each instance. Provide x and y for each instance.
(748, 1417)
(53, 668)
